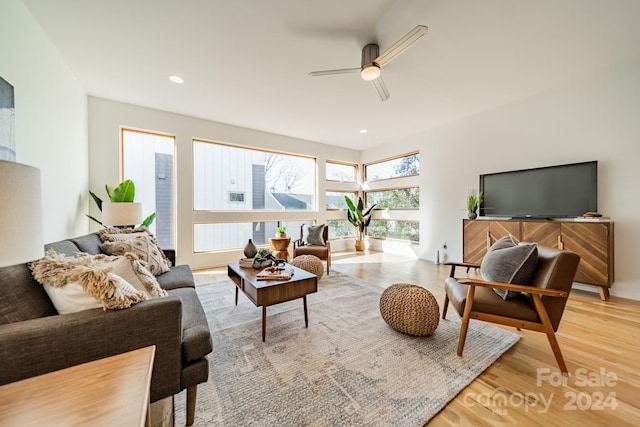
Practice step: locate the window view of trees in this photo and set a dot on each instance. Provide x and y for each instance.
(394, 229)
(341, 172)
(399, 198)
(334, 200)
(340, 228)
(400, 166)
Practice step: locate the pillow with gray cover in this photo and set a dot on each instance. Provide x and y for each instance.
(507, 262)
(312, 235)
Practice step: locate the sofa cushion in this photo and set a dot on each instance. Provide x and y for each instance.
(90, 281)
(196, 337)
(66, 247)
(140, 241)
(89, 243)
(312, 235)
(145, 250)
(507, 262)
(179, 276)
(72, 297)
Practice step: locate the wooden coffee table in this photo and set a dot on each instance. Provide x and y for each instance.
(107, 392)
(264, 293)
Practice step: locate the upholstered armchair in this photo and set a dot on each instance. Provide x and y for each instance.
(308, 244)
(537, 306)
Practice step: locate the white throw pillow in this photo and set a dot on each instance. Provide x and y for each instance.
(71, 298)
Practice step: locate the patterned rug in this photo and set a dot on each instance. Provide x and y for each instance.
(348, 368)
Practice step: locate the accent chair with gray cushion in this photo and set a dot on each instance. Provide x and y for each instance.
(35, 339)
(536, 303)
(314, 240)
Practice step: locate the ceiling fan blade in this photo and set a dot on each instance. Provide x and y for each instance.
(401, 45)
(329, 72)
(381, 88)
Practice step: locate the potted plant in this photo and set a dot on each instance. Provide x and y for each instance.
(359, 219)
(474, 200)
(281, 232)
(125, 192)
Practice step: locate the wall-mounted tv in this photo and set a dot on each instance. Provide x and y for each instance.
(561, 191)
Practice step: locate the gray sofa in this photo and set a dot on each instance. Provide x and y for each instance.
(35, 339)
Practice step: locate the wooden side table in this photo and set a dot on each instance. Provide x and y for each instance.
(280, 245)
(108, 392)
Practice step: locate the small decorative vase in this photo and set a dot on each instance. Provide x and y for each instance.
(250, 250)
(473, 215)
(281, 235)
(359, 245)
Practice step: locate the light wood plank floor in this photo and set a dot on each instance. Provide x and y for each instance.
(600, 342)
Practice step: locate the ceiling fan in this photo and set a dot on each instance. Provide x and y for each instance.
(373, 61)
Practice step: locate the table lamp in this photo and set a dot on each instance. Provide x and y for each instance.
(121, 214)
(21, 238)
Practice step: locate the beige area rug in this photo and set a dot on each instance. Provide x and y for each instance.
(349, 368)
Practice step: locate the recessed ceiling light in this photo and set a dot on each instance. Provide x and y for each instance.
(363, 131)
(176, 79)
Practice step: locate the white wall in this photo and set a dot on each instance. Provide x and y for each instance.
(105, 119)
(595, 119)
(51, 119)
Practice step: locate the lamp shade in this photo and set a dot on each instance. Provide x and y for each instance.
(121, 214)
(20, 214)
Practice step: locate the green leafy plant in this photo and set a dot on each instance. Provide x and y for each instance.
(358, 217)
(263, 252)
(281, 230)
(474, 200)
(124, 192)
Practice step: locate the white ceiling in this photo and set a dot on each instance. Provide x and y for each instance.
(246, 62)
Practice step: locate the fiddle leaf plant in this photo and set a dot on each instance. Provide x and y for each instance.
(125, 192)
(358, 217)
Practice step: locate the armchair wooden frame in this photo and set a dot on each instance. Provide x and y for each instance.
(322, 252)
(543, 326)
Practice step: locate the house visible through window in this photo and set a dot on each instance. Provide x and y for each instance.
(234, 178)
(236, 196)
(148, 160)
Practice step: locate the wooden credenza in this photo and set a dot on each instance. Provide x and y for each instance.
(593, 241)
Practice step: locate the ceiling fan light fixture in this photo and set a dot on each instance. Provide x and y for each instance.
(370, 72)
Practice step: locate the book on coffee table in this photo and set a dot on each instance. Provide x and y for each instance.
(272, 273)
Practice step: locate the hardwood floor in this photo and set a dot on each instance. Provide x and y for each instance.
(600, 342)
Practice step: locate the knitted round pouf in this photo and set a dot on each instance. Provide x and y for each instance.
(410, 309)
(310, 263)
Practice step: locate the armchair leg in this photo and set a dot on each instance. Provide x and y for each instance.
(191, 404)
(551, 336)
(468, 305)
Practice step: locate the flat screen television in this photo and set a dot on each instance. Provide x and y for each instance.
(561, 191)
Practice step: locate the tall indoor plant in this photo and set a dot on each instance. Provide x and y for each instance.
(125, 192)
(360, 219)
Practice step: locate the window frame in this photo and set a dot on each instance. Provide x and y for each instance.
(314, 197)
(365, 165)
(338, 162)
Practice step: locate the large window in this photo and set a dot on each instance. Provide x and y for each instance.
(148, 160)
(234, 178)
(341, 172)
(397, 198)
(394, 229)
(339, 228)
(406, 165)
(334, 200)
